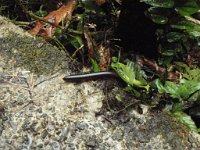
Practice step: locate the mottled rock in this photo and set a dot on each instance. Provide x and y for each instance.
(117, 135)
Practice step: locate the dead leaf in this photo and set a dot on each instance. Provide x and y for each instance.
(100, 2)
(104, 57)
(47, 30)
(90, 45)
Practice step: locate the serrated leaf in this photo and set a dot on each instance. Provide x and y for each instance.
(129, 72)
(186, 120)
(170, 87)
(177, 107)
(180, 91)
(192, 28)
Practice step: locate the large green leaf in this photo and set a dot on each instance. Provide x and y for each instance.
(159, 85)
(174, 36)
(157, 15)
(95, 65)
(130, 73)
(76, 41)
(191, 85)
(192, 28)
(187, 8)
(170, 87)
(181, 91)
(170, 49)
(186, 120)
(159, 3)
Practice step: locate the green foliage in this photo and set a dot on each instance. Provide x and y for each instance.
(192, 74)
(186, 120)
(183, 117)
(41, 12)
(76, 41)
(130, 73)
(160, 3)
(133, 91)
(187, 7)
(157, 15)
(181, 91)
(119, 98)
(95, 65)
(189, 73)
(181, 27)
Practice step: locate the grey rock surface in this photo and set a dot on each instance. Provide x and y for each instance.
(38, 110)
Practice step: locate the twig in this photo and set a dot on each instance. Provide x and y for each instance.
(41, 19)
(77, 50)
(46, 80)
(117, 112)
(61, 47)
(193, 20)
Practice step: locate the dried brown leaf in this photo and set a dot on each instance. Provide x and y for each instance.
(104, 57)
(100, 2)
(47, 30)
(90, 46)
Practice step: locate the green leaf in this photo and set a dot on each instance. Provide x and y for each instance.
(159, 85)
(76, 41)
(186, 120)
(174, 36)
(180, 91)
(157, 15)
(195, 96)
(159, 3)
(190, 27)
(187, 8)
(194, 33)
(40, 12)
(119, 98)
(131, 74)
(95, 65)
(171, 88)
(177, 107)
(170, 49)
(191, 85)
(159, 19)
(188, 73)
(133, 91)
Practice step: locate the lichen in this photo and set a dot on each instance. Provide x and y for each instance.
(32, 53)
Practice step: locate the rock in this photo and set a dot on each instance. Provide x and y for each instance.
(117, 135)
(81, 125)
(92, 142)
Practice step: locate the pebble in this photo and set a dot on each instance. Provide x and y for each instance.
(1, 129)
(81, 125)
(55, 145)
(117, 135)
